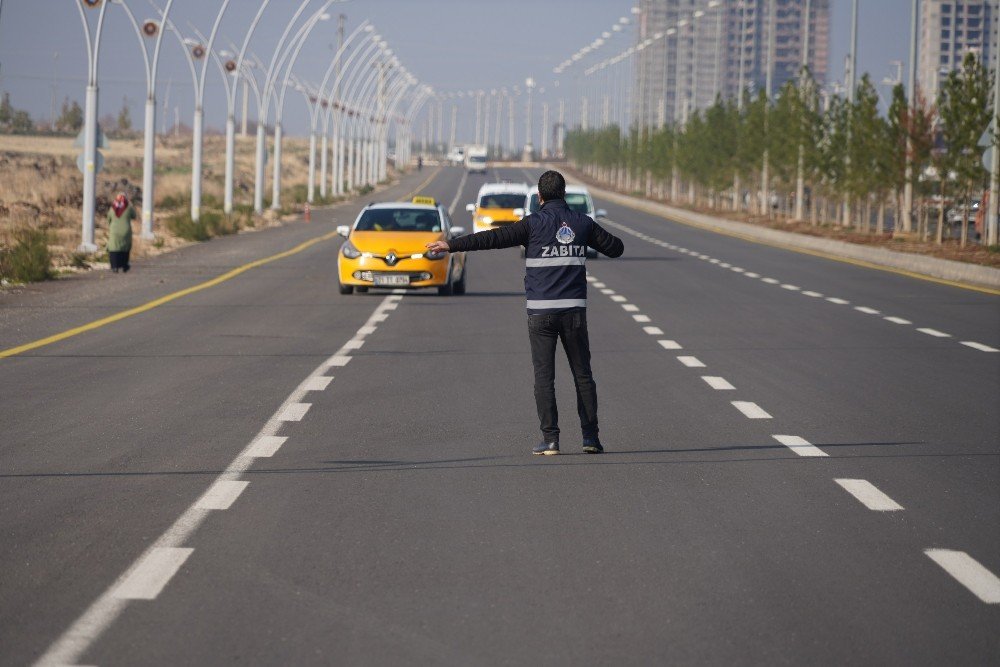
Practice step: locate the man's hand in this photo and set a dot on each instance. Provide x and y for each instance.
(438, 246)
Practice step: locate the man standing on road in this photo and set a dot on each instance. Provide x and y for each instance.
(556, 239)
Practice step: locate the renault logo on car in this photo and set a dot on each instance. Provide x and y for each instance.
(391, 259)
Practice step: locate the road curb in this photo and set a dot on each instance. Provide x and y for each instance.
(971, 275)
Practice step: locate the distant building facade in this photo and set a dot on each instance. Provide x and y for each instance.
(949, 29)
(707, 49)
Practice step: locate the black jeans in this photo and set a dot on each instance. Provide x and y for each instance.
(570, 327)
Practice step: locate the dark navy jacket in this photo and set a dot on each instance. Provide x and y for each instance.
(556, 239)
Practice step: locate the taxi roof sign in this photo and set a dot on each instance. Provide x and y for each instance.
(421, 199)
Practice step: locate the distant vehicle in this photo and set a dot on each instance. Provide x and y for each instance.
(498, 204)
(457, 155)
(386, 247)
(475, 159)
(958, 211)
(577, 198)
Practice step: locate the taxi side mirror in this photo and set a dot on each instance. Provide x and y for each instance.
(343, 230)
(601, 213)
(471, 208)
(518, 212)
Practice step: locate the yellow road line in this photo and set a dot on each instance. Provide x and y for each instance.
(423, 185)
(818, 253)
(96, 324)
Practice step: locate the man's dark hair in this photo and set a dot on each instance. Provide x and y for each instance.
(551, 186)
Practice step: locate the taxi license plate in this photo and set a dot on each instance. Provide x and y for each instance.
(392, 280)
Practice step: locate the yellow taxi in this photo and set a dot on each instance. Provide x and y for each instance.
(498, 204)
(385, 247)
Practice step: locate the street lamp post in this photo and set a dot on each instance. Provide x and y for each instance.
(90, 164)
(299, 42)
(906, 214)
(198, 51)
(231, 117)
(148, 29)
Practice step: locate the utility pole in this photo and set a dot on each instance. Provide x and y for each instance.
(454, 125)
(800, 184)
(765, 176)
(850, 83)
(992, 209)
(906, 215)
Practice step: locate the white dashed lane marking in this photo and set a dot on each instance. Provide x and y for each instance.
(793, 288)
(294, 412)
(751, 410)
(618, 298)
(641, 318)
(969, 572)
(799, 445)
(718, 383)
(152, 573)
(653, 331)
(317, 383)
(221, 495)
(934, 332)
(354, 344)
(691, 362)
(979, 346)
(869, 495)
(670, 344)
(338, 360)
(266, 446)
(630, 308)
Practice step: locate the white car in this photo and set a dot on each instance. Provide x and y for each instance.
(577, 198)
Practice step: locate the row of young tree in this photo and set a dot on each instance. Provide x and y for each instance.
(850, 158)
(69, 120)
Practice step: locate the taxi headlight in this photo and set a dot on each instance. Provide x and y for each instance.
(484, 219)
(350, 252)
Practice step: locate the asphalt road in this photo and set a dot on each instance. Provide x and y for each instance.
(186, 486)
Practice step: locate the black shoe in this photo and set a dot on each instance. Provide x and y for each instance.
(546, 449)
(592, 446)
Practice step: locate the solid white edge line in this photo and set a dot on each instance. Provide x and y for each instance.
(751, 410)
(221, 495)
(717, 383)
(979, 346)
(68, 648)
(691, 362)
(869, 495)
(152, 573)
(799, 445)
(969, 572)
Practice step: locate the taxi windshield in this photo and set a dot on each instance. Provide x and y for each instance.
(399, 220)
(577, 202)
(501, 201)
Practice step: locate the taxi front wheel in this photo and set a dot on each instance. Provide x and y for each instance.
(345, 289)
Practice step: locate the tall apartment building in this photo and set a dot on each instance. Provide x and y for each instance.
(709, 48)
(948, 30)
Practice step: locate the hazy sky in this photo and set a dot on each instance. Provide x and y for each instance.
(449, 44)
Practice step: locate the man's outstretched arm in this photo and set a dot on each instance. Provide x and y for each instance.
(505, 236)
(605, 242)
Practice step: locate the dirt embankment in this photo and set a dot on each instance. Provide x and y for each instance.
(42, 187)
